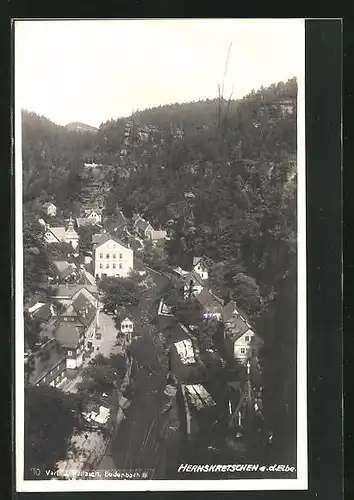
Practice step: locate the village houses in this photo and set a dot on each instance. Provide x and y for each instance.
(47, 366)
(145, 231)
(50, 209)
(126, 327)
(112, 257)
(62, 234)
(240, 341)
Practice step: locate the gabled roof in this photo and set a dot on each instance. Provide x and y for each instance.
(229, 310)
(185, 351)
(205, 261)
(68, 291)
(69, 311)
(68, 335)
(48, 204)
(97, 211)
(198, 397)
(237, 328)
(196, 260)
(85, 221)
(61, 265)
(104, 237)
(117, 223)
(43, 361)
(192, 275)
(44, 313)
(85, 309)
(142, 224)
(127, 319)
(210, 302)
(58, 232)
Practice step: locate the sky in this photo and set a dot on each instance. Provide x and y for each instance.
(92, 71)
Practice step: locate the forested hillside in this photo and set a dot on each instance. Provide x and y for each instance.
(53, 160)
(222, 176)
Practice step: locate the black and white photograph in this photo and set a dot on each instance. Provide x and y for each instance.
(160, 288)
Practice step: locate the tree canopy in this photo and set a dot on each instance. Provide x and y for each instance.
(51, 417)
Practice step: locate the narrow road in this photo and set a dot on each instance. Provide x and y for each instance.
(106, 346)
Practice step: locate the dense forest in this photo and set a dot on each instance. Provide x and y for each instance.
(222, 176)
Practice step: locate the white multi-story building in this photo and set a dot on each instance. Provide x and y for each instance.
(112, 257)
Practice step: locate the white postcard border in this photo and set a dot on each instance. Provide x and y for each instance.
(301, 482)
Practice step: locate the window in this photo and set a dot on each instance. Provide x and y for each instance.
(114, 256)
(101, 255)
(70, 353)
(107, 266)
(114, 265)
(121, 256)
(44, 379)
(101, 266)
(58, 368)
(242, 350)
(120, 266)
(247, 339)
(107, 255)
(51, 373)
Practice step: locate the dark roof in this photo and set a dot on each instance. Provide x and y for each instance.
(232, 310)
(134, 244)
(70, 290)
(142, 224)
(237, 328)
(205, 261)
(85, 309)
(68, 335)
(209, 301)
(106, 237)
(196, 260)
(69, 311)
(193, 276)
(115, 224)
(85, 221)
(43, 361)
(228, 310)
(43, 313)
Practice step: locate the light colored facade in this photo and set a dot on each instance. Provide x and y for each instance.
(50, 209)
(112, 258)
(127, 328)
(200, 268)
(241, 342)
(192, 285)
(247, 346)
(61, 234)
(94, 215)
